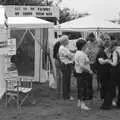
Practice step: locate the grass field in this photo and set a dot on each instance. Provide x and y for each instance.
(48, 107)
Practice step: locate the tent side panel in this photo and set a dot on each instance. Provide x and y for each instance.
(37, 56)
(52, 76)
(41, 74)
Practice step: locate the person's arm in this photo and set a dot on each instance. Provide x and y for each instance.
(85, 66)
(103, 61)
(114, 60)
(68, 54)
(102, 57)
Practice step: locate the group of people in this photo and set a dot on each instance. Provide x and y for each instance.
(100, 57)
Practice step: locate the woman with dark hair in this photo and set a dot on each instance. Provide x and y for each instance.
(66, 59)
(91, 51)
(83, 72)
(103, 72)
(115, 72)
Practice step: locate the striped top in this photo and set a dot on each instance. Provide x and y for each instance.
(81, 60)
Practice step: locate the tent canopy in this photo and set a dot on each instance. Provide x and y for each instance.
(88, 23)
(28, 22)
(23, 22)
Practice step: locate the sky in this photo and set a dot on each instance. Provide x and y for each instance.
(108, 9)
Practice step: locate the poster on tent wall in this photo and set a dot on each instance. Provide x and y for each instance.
(36, 11)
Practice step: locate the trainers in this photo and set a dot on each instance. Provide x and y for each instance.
(84, 107)
(71, 98)
(114, 103)
(78, 104)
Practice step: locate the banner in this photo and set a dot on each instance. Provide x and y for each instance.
(36, 11)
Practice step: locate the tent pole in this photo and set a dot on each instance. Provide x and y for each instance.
(84, 35)
(59, 33)
(98, 34)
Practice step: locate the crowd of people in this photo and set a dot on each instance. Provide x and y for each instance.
(99, 56)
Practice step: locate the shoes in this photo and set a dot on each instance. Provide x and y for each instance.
(68, 98)
(114, 104)
(118, 105)
(78, 104)
(71, 98)
(82, 105)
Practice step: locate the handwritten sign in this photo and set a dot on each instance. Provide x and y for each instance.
(36, 11)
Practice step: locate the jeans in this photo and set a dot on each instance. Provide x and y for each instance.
(58, 77)
(66, 80)
(84, 86)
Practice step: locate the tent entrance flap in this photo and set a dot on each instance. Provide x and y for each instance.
(25, 53)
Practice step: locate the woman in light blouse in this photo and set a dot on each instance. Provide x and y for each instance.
(66, 58)
(115, 62)
(83, 72)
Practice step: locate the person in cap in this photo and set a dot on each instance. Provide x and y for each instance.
(66, 58)
(83, 72)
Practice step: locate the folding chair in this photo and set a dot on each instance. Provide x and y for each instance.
(12, 87)
(25, 88)
(17, 88)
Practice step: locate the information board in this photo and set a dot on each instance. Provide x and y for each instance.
(36, 11)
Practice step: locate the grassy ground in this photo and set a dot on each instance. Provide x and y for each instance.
(48, 107)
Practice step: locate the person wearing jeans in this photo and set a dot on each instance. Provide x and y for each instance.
(66, 58)
(83, 72)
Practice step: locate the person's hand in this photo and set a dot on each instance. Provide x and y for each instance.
(91, 72)
(101, 60)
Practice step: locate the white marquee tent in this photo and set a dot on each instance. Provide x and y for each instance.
(89, 24)
(43, 31)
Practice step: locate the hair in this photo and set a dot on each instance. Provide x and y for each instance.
(63, 39)
(105, 36)
(80, 43)
(114, 43)
(100, 44)
(91, 37)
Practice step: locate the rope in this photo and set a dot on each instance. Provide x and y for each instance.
(21, 39)
(6, 21)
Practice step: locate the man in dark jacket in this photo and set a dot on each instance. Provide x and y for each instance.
(58, 70)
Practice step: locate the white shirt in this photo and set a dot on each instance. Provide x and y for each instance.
(115, 56)
(65, 55)
(81, 60)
